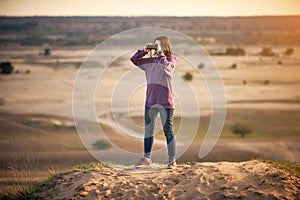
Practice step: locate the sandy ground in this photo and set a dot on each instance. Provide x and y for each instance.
(221, 180)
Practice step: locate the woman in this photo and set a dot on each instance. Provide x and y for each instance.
(159, 95)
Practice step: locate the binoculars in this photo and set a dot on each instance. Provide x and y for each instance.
(151, 46)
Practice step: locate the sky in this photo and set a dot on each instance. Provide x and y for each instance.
(148, 7)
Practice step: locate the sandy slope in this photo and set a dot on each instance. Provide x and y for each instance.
(222, 180)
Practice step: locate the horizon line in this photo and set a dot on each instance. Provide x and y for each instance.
(162, 16)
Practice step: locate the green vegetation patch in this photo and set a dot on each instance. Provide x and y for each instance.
(292, 168)
(90, 166)
(101, 145)
(188, 76)
(241, 129)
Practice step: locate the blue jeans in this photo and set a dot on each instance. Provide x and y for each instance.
(166, 116)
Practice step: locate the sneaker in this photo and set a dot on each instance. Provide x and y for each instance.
(144, 161)
(172, 165)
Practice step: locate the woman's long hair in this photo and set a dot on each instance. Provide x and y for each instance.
(165, 45)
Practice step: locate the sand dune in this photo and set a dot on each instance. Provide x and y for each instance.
(221, 180)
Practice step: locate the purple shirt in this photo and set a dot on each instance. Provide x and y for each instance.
(159, 72)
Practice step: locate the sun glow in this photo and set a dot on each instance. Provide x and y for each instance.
(149, 8)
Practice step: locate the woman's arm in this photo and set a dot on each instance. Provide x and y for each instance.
(138, 59)
(168, 63)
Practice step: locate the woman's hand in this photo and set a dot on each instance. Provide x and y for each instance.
(159, 50)
(145, 47)
(158, 47)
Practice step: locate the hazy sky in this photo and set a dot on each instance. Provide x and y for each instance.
(149, 7)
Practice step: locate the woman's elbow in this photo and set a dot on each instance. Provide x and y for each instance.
(132, 60)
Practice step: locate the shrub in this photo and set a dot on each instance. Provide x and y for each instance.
(267, 52)
(241, 129)
(101, 144)
(6, 68)
(266, 82)
(188, 76)
(47, 52)
(201, 66)
(289, 51)
(233, 66)
(235, 51)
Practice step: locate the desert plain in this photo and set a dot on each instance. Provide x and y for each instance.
(38, 134)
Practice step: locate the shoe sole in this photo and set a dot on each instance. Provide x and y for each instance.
(171, 167)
